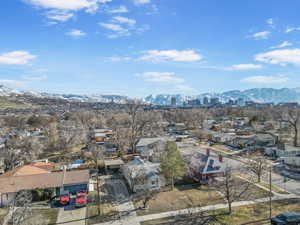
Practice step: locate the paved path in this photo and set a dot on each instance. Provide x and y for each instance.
(208, 208)
(71, 217)
(137, 219)
(125, 206)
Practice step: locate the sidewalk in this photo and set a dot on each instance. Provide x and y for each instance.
(71, 217)
(135, 220)
(208, 208)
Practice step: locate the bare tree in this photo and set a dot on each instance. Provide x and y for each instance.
(258, 166)
(21, 208)
(96, 155)
(292, 116)
(232, 188)
(138, 120)
(144, 194)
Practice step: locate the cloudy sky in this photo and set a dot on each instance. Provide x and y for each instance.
(141, 47)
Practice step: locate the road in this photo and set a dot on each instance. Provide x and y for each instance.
(291, 185)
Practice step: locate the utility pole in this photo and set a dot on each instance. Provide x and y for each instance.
(270, 194)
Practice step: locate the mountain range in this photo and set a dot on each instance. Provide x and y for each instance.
(261, 95)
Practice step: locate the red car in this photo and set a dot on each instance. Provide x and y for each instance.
(64, 199)
(81, 201)
(81, 194)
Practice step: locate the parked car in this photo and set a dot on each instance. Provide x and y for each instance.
(64, 198)
(81, 201)
(287, 218)
(81, 194)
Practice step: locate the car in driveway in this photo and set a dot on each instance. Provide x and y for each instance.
(81, 199)
(287, 218)
(64, 198)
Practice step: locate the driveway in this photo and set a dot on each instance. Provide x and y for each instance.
(71, 216)
(124, 204)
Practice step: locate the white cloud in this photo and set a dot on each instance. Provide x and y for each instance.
(282, 57)
(141, 2)
(59, 15)
(121, 9)
(245, 67)
(62, 10)
(35, 78)
(291, 29)
(76, 33)
(13, 82)
(185, 88)
(260, 35)
(270, 22)
(119, 59)
(16, 58)
(266, 79)
(118, 30)
(161, 77)
(283, 45)
(67, 4)
(125, 20)
(173, 55)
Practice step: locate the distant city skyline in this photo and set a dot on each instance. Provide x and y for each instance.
(141, 47)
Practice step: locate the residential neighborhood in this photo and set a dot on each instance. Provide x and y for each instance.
(149, 112)
(91, 172)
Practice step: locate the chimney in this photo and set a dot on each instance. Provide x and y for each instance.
(208, 152)
(220, 158)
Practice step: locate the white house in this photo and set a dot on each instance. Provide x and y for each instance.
(150, 148)
(142, 175)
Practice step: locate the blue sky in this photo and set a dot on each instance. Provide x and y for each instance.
(141, 47)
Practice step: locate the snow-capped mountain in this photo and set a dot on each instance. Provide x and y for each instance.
(262, 95)
(5, 91)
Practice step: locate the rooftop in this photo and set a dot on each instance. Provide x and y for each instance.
(47, 180)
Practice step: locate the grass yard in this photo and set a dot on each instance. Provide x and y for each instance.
(181, 197)
(108, 212)
(274, 188)
(241, 215)
(44, 216)
(3, 212)
(259, 211)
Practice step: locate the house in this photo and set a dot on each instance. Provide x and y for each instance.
(101, 135)
(243, 142)
(75, 164)
(113, 164)
(71, 181)
(151, 148)
(283, 151)
(31, 169)
(264, 140)
(292, 161)
(204, 168)
(142, 175)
